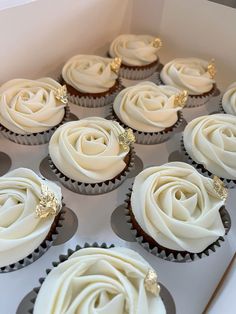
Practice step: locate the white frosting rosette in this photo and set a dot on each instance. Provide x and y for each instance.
(88, 150)
(211, 141)
(134, 50)
(30, 106)
(192, 75)
(97, 280)
(21, 230)
(147, 107)
(229, 100)
(89, 73)
(177, 207)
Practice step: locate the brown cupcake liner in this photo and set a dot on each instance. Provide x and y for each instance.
(94, 188)
(42, 248)
(168, 254)
(34, 138)
(91, 101)
(195, 100)
(229, 183)
(164, 293)
(136, 73)
(151, 138)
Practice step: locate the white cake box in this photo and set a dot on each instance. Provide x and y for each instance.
(36, 40)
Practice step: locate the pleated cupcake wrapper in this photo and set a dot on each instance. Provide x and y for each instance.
(137, 74)
(63, 258)
(194, 101)
(34, 138)
(150, 138)
(229, 183)
(94, 188)
(39, 251)
(173, 257)
(221, 109)
(94, 102)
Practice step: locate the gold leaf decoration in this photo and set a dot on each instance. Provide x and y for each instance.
(151, 283)
(115, 65)
(48, 204)
(211, 68)
(61, 94)
(157, 43)
(219, 188)
(126, 139)
(181, 99)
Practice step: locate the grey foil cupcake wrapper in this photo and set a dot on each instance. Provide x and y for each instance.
(137, 74)
(229, 183)
(34, 138)
(94, 188)
(175, 256)
(195, 101)
(151, 138)
(39, 251)
(94, 102)
(164, 293)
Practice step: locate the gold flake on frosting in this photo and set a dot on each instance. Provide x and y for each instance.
(157, 43)
(211, 68)
(61, 94)
(151, 283)
(115, 64)
(219, 188)
(48, 205)
(181, 99)
(126, 139)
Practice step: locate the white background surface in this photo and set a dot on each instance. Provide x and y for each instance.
(38, 38)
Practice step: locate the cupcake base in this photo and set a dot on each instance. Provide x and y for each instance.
(34, 138)
(195, 100)
(229, 183)
(167, 254)
(39, 251)
(92, 100)
(151, 138)
(138, 72)
(95, 188)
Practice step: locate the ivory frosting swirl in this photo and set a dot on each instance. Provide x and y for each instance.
(229, 100)
(88, 150)
(97, 280)
(189, 74)
(136, 50)
(211, 141)
(177, 207)
(21, 231)
(30, 106)
(89, 73)
(147, 107)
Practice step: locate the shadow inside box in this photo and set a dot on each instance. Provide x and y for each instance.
(177, 155)
(26, 305)
(5, 163)
(138, 167)
(72, 117)
(46, 171)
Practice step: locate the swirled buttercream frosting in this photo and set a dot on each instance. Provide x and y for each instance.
(88, 150)
(229, 100)
(177, 207)
(211, 141)
(97, 280)
(21, 229)
(30, 106)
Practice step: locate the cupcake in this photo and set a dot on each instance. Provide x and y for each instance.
(31, 110)
(100, 280)
(92, 81)
(229, 100)
(30, 210)
(210, 142)
(92, 155)
(196, 76)
(151, 111)
(138, 54)
(177, 213)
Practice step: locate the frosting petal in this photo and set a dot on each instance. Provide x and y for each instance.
(21, 231)
(229, 100)
(177, 207)
(89, 73)
(211, 141)
(88, 150)
(147, 107)
(190, 74)
(96, 280)
(134, 50)
(30, 106)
